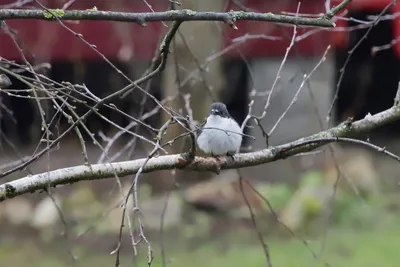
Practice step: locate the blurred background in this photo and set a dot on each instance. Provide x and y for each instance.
(335, 206)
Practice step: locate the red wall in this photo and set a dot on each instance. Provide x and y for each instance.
(49, 41)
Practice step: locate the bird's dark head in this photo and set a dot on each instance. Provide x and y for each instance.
(220, 109)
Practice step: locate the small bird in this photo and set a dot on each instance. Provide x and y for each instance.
(220, 134)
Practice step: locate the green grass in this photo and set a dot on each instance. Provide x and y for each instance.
(344, 248)
(369, 248)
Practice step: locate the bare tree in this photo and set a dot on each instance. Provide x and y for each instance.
(181, 107)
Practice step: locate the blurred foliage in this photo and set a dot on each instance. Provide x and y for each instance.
(277, 194)
(316, 196)
(312, 178)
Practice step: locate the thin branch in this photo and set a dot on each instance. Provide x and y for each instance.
(336, 9)
(173, 15)
(264, 245)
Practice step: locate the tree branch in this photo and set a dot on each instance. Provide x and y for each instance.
(173, 15)
(336, 9)
(177, 161)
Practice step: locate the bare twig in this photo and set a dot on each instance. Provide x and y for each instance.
(254, 222)
(336, 9)
(134, 190)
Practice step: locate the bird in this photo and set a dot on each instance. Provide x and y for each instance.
(220, 134)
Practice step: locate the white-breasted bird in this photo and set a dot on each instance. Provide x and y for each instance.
(220, 135)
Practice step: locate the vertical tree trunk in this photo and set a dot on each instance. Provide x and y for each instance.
(194, 43)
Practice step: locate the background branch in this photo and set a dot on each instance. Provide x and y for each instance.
(173, 15)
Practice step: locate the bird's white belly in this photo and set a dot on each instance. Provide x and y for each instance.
(220, 142)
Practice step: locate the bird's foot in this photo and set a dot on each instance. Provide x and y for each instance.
(230, 156)
(187, 157)
(216, 158)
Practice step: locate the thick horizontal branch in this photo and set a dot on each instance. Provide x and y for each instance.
(173, 15)
(178, 161)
